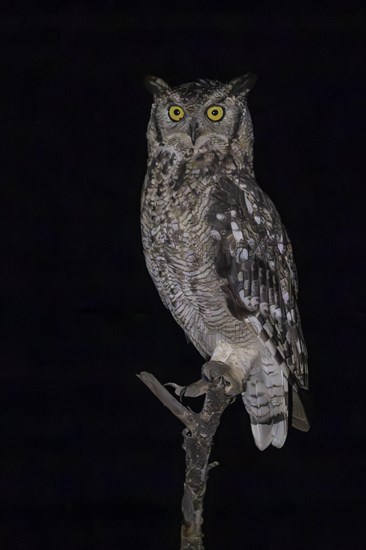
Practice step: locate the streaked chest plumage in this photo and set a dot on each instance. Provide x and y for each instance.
(180, 245)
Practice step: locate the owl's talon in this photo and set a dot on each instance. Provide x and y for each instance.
(178, 390)
(205, 378)
(192, 390)
(182, 393)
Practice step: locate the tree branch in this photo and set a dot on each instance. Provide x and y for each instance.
(198, 437)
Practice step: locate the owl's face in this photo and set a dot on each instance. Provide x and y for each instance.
(204, 114)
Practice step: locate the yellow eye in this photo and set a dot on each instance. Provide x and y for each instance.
(176, 113)
(215, 113)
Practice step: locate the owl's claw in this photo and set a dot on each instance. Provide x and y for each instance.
(212, 370)
(178, 390)
(193, 390)
(216, 369)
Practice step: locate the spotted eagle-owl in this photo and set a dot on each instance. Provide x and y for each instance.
(218, 253)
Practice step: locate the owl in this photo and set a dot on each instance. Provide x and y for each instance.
(219, 254)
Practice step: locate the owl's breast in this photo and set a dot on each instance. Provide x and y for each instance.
(180, 253)
(175, 203)
(175, 226)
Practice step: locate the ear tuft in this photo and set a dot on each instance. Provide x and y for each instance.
(155, 85)
(243, 84)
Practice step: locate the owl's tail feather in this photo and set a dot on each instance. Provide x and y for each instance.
(265, 399)
(298, 417)
(269, 434)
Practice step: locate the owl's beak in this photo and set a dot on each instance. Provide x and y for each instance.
(193, 131)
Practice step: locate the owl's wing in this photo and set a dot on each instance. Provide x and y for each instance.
(254, 256)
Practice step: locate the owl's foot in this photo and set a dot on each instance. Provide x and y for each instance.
(193, 390)
(217, 369)
(210, 372)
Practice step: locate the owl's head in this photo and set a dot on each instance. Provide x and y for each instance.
(204, 114)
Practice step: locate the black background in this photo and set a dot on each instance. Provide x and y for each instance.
(89, 458)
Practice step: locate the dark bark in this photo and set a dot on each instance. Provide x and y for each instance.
(198, 437)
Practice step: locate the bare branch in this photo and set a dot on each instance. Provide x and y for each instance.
(198, 437)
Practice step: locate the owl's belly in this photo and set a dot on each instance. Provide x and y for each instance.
(184, 273)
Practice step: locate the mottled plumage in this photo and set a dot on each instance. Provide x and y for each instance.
(217, 251)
